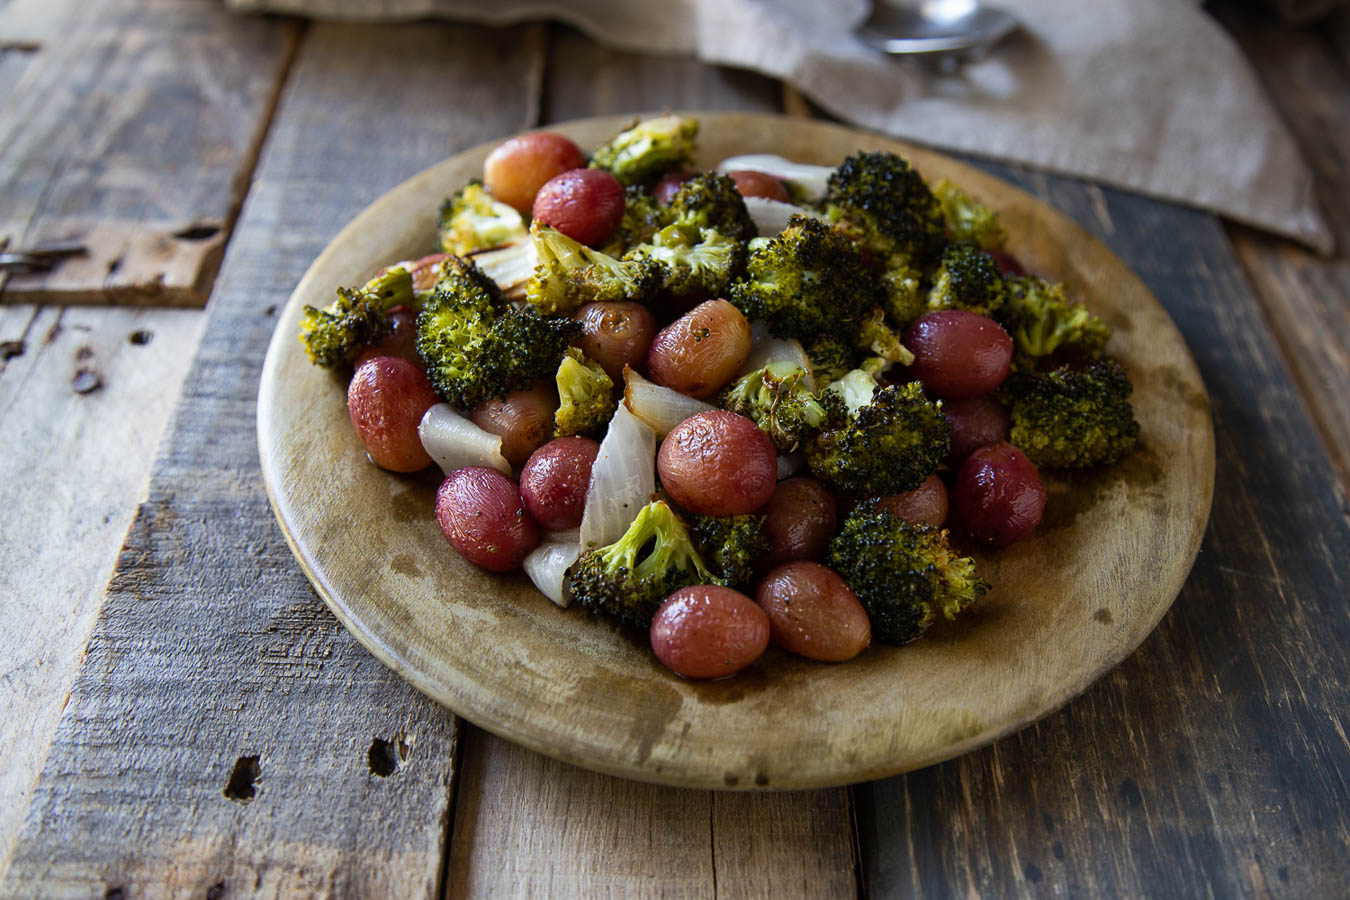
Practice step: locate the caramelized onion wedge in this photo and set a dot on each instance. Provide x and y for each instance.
(547, 564)
(510, 265)
(661, 408)
(454, 442)
(771, 216)
(811, 180)
(623, 480)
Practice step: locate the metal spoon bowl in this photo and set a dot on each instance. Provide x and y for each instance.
(935, 26)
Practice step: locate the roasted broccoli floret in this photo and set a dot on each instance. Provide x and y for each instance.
(967, 219)
(585, 394)
(831, 358)
(968, 279)
(1042, 320)
(698, 263)
(629, 578)
(649, 149)
(902, 292)
(876, 338)
(730, 545)
(879, 440)
(807, 281)
(357, 319)
(642, 218)
(1074, 418)
(905, 575)
(473, 220)
(777, 399)
(878, 200)
(569, 274)
(711, 200)
(476, 346)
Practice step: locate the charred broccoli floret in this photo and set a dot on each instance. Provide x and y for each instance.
(878, 200)
(642, 218)
(902, 293)
(880, 440)
(831, 358)
(876, 338)
(476, 346)
(807, 281)
(585, 394)
(629, 578)
(1042, 320)
(730, 545)
(905, 575)
(968, 279)
(1074, 418)
(570, 274)
(473, 220)
(967, 219)
(777, 399)
(357, 319)
(698, 263)
(648, 149)
(711, 200)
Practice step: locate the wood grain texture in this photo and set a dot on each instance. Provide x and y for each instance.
(225, 735)
(84, 398)
(132, 132)
(1214, 761)
(1306, 296)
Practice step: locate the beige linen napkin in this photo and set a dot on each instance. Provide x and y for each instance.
(1150, 95)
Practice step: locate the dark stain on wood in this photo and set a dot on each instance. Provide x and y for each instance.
(242, 784)
(140, 337)
(11, 349)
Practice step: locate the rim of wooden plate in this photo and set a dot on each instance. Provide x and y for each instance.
(1068, 605)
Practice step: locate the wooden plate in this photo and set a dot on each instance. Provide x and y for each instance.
(1105, 565)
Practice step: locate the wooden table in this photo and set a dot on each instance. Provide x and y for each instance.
(205, 727)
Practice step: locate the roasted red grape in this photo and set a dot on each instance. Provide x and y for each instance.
(759, 184)
(799, 521)
(555, 480)
(958, 353)
(616, 335)
(481, 514)
(998, 495)
(708, 631)
(700, 352)
(517, 169)
(718, 463)
(402, 341)
(975, 422)
(386, 398)
(1007, 263)
(669, 185)
(523, 419)
(925, 505)
(584, 204)
(812, 612)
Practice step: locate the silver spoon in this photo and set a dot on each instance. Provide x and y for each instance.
(965, 27)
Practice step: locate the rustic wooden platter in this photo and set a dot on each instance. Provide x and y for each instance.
(1103, 568)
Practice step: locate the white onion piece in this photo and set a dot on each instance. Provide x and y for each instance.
(772, 349)
(566, 536)
(547, 564)
(771, 216)
(623, 480)
(811, 179)
(454, 442)
(790, 464)
(661, 408)
(510, 265)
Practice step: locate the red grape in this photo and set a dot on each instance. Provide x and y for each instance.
(555, 480)
(759, 184)
(925, 505)
(669, 185)
(701, 351)
(718, 463)
(584, 204)
(998, 495)
(709, 631)
(616, 335)
(975, 422)
(958, 353)
(481, 514)
(1007, 263)
(517, 169)
(402, 341)
(386, 399)
(799, 521)
(812, 612)
(523, 419)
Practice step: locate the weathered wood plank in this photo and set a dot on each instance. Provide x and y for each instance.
(132, 132)
(1213, 762)
(84, 398)
(225, 735)
(1307, 297)
(528, 826)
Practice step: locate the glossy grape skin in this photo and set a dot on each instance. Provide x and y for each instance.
(1007, 263)
(709, 631)
(523, 419)
(616, 335)
(699, 353)
(386, 399)
(759, 184)
(402, 341)
(670, 185)
(957, 353)
(975, 422)
(799, 520)
(718, 463)
(812, 612)
(555, 480)
(998, 495)
(482, 515)
(925, 505)
(516, 170)
(584, 204)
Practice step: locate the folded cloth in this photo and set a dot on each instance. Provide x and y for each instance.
(1150, 95)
